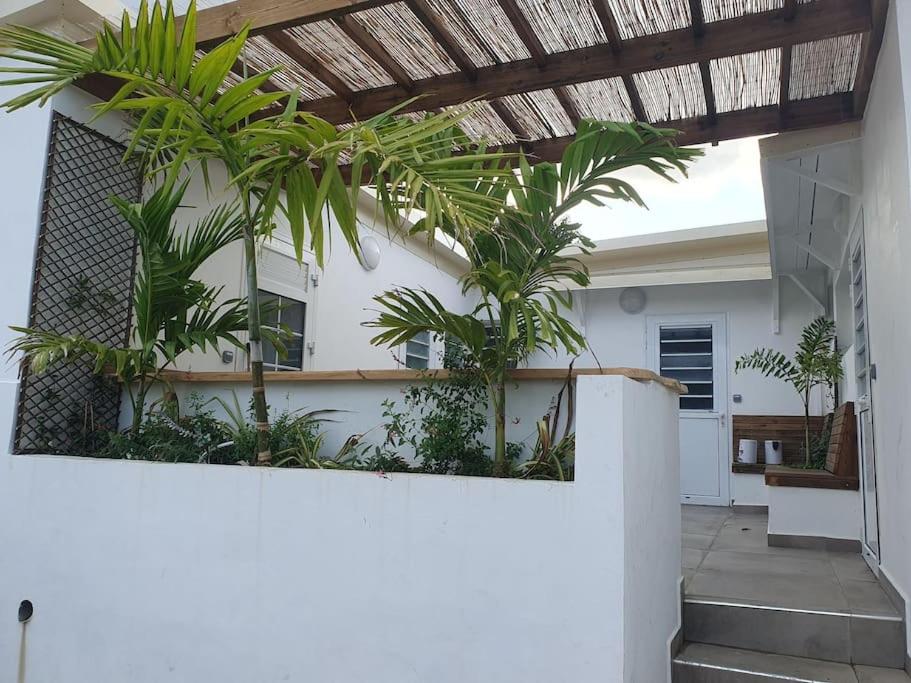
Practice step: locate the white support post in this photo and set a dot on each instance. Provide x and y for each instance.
(776, 305)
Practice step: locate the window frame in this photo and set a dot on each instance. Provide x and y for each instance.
(429, 345)
(280, 275)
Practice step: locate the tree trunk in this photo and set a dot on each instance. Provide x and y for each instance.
(806, 425)
(260, 407)
(139, 402)
(500, 467)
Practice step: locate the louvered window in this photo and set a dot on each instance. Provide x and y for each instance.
(686, 355)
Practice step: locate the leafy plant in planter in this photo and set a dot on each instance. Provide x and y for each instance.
(816, 363)
(521, 265)
(173, 312)
(285, 162)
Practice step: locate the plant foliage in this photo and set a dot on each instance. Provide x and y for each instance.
(173, 311)
(521, 266)
(817, 362)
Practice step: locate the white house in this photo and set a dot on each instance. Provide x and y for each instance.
(150, 572)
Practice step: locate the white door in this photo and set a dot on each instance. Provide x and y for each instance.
(692, 349)
(863, 406)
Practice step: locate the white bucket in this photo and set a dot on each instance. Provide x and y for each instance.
(747, 452)
(773, 452)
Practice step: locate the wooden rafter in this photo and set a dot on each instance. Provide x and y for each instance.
(784, 82)
(509, 119)
(788, 12)
(435, 26)
(365, 40)
(238, 70)
(536, 49)
(751, 33)
(697, 18)
(812, 113)
(292, 48)
(566, 101)
(616, 43)
(525, 31)
(872, 41)
(708, 91)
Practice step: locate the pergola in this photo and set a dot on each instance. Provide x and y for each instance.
(714, 69)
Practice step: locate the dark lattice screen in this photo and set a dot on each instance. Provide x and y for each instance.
(83, 277)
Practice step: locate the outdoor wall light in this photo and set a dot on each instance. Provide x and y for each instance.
(26, 609)
(632, 300)
(370, 252)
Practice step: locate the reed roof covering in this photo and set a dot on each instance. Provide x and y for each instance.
(715, 69)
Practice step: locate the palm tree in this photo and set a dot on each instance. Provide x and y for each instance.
(284, 162)
(173, 312)
(520, 266)
(816, 363)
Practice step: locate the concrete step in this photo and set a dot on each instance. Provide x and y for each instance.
(875, 639)
(700, 663)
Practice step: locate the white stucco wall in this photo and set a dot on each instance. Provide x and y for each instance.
(749, 489)
(23, 138)
(362, 403)
(887, 228)
(619, 339)
(146, 572)
(814, 512)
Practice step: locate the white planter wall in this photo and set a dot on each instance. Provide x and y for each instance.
(148, 572)
(826, 513)
(362, 403)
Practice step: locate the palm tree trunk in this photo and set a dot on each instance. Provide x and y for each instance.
(806, 425)
(260, 407)
(500, 466)
(138, 402)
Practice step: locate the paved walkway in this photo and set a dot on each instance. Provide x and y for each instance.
(726, 557)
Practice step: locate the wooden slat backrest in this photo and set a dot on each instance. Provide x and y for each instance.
(841, 458)
(788, 429)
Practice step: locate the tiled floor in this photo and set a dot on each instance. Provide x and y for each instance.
(726, 557)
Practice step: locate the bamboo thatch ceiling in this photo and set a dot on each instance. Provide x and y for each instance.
(716, 69)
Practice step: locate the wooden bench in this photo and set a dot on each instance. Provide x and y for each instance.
(841, 460)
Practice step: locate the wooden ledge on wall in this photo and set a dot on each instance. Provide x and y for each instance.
(778, 475)
(522, 374)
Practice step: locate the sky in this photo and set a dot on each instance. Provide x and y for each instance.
(724, 186)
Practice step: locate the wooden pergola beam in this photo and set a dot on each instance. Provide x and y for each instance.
(292, 48)
(435, 26)
(820, 111)
(214, 24)
(812, 113)
(751, 33)
(365, 40)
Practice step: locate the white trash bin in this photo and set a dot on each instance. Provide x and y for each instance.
(773, 452)
(747, 451)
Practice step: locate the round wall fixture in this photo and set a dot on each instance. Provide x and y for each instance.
(632, 300)
(370, 252)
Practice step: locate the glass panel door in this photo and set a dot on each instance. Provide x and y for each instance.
(864, 405)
